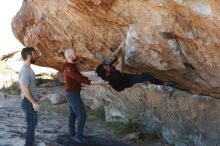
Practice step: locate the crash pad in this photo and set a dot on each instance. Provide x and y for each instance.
(89, 141)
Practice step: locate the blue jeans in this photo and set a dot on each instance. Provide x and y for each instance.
(76, 114)
(31, 119)
(133, 79)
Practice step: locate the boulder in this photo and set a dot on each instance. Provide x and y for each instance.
(172, 39)
(181, 117)
(57, 98)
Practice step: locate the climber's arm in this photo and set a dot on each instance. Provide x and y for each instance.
(116, 52)
(120, 62)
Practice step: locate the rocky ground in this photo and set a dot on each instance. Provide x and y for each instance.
(52, 121)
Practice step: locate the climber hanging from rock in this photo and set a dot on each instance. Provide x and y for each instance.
(120, 80)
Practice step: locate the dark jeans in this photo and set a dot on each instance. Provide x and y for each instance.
(76, 113)
(133, 79)
(31, 119)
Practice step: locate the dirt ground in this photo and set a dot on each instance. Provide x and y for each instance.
(52, 121)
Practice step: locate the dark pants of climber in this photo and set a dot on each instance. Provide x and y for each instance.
(133, 79)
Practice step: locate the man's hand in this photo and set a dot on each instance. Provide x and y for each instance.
(99, 82)
(102, 82)
(36, 106)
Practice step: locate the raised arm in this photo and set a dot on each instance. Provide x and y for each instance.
(120, 62)
(116, 52)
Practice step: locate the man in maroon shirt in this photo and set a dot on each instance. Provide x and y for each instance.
(73, 79)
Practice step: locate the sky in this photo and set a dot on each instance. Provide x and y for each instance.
(8, 9)
(8, 42)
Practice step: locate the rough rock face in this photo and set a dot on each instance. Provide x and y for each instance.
(183, 119)
(173, 39)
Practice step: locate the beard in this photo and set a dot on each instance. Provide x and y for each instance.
(32, 60)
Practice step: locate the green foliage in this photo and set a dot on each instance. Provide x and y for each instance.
(40, 81)
(129, 126)
(123, 128)
(12, 89)
(98, 113)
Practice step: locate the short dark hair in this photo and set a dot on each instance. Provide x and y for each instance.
(100, 71)
(27, 51)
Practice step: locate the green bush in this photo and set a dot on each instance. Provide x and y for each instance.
(12, 89)
(40, 81)
(98, 113)
(123, 128)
